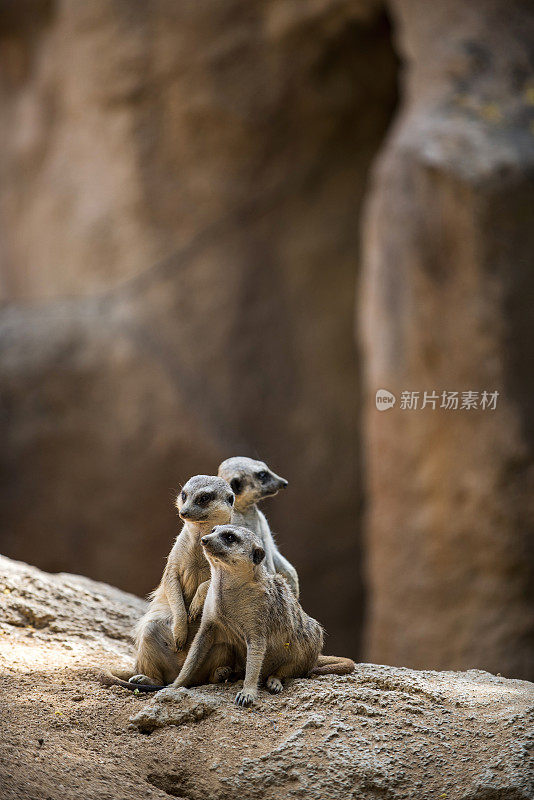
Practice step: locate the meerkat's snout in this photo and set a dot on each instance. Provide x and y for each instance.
(270, 483)
(215, 544)
(190, 515)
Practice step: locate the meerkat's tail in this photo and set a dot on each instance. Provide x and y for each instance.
(333, 665)
(107, 679)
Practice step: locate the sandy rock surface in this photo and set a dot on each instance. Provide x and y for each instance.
(381, 733)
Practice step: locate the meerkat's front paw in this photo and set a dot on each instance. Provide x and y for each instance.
(195, 609)
(179, 633)
(140, 679)
(246, 697)
(274, 685)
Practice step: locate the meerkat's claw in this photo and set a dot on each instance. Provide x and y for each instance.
(245, 698)
(140, 679)
(274, 685)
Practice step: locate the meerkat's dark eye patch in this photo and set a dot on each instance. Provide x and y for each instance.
(230, 499)
(183, 495)
(262, 476)
(229, 538)
(258, 554)
(237, 485)
(204, 498)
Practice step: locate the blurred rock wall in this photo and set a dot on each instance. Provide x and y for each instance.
(180, 194)
(446, 304)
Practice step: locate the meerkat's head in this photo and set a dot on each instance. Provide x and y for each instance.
(233, 548)
(250, 480)
(205, 499)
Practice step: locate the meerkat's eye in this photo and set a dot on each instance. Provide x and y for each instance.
(204, 499)
(230, 499)
(229, 538)
(262, 476)
(183, 495)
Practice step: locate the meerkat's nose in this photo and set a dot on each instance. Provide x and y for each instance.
(284, 483)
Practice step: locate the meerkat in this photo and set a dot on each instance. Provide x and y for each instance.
(252, 481)
(163, 635)
(252, 623)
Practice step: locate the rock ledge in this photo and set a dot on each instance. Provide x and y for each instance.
(382, 732)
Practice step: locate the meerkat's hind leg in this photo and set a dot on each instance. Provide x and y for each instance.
(289, 669)
(219, 663)
(274, 685)
(220, 674)
(156, 660)
(274, 682)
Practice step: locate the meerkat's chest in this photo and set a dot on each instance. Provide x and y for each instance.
(240, 616)
(232, 631)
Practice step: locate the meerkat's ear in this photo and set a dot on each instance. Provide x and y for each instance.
(258, 554)
(236, 485)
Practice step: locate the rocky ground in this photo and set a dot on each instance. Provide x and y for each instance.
(381, 733)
